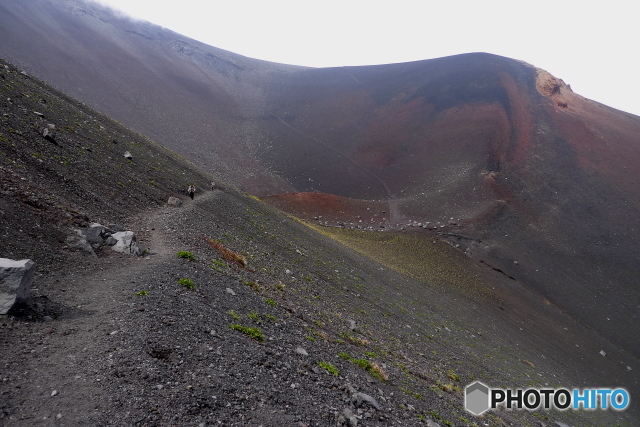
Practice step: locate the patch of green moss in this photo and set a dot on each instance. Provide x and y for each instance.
(253, 333)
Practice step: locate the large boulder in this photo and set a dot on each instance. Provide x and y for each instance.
(126, 243)
(15, 282)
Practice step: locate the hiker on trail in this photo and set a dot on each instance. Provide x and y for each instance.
(213, 185)
(191, 190)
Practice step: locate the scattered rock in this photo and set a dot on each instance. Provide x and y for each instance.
(352, 324)
(15, 282)
(49, 135)
(230, 291)
(362, 398)
(126, 243)
(301, 351)
(288, 272)
(174, 201)
(54, 393)
(94, 234)
(128, 156)
(431, 423)
(348, 418)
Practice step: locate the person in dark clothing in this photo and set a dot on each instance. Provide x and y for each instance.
(191, 190)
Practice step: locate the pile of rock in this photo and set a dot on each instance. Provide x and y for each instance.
(97, 235)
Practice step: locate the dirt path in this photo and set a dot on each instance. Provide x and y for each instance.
(53, 355)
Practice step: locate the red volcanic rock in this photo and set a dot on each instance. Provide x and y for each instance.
(334, 209)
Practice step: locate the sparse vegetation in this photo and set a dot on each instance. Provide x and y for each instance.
(346, 336)
(186, 255)
(187, 283)
(371, 367)
(270, 302)
(227, 254)
(234, 314)
(253, 285)
(255, 317)
(142, 293)
(411, 393)
(253, 333)
(329, 368)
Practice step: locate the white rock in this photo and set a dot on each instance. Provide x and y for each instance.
(15, 282)
(126, 243)
(301, 351)
(230, 291)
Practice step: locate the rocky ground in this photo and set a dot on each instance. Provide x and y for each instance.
(117, 340)
(304, 331)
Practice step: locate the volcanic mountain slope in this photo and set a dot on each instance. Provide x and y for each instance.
(526, 176)
(116, 340)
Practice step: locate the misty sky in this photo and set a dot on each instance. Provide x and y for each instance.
(590, 45)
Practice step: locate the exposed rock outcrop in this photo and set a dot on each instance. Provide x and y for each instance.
(97, 235)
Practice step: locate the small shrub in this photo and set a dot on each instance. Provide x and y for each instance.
(270, 302)
(253, 333)
(187, 283)
(186, 255)
(142, 293)
(270, 317)
(329, 368)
